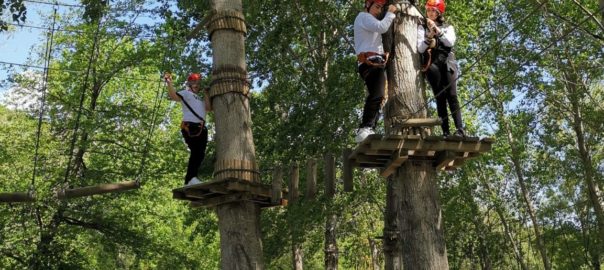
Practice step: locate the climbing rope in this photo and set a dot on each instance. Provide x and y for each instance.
(82, 98)
(48, 55)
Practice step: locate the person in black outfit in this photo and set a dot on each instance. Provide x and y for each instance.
(193, 128)
(435, 41)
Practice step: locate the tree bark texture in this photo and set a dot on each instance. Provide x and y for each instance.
(240, 236)
(413, 229)
(422, 232)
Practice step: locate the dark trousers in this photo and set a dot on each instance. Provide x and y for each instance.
(375, 80)
(197, 142)
(441, 77)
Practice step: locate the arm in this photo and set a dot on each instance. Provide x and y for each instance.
(447, 36)
(171, 92)
(372, 24)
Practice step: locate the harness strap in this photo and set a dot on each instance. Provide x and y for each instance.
(191, 109)
(365, 58)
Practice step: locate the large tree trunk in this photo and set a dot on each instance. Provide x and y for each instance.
(239, 223)
(514, 155)
(413, 208)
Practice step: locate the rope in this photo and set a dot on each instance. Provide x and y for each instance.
(552, 44)
(48, 54)
(156, 106)
(82, 97)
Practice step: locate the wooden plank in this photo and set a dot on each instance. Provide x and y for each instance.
(215, 201)
(97, 190)
(418, 153)
(394, 144)
(17, 197)
(372, 159)
(487, 140)
(311, 179)
(398, 158)
(294, 181)
(276, 194)
(421, 122)
(367, 165)
(444, 159)
(330, 175)
(243, 186)
(347, 171)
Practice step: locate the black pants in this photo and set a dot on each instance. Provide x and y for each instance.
(375, 80)
(441, 76)
(197, 146)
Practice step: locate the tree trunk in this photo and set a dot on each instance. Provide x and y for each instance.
(413, 209)
(506, 227)
(517, 164)
(572, 81)
(331, 243)
(239, 222)
(602, 9)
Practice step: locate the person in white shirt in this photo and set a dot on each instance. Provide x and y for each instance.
(372, 60)
(193, 127)
(435, 41)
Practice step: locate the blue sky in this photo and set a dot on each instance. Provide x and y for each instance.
(18, 43)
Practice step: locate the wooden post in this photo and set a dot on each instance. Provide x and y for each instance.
(97, 190)
(311, 179)
(330, 176)
(347, 170)
(294, 180)
(239, 221)
(277, 194)
(17, 197)
(331, 245)
(413, 220)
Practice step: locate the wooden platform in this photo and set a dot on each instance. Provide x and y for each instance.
(213, 193)
(390, 152)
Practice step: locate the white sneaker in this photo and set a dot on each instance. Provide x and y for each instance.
(362, 134)
(194, 181)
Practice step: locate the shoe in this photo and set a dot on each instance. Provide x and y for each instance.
(194, 181)
(460, 132)
(362, 134)
(446, 134)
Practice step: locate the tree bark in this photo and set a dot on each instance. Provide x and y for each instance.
(239, 222)
(413, 217)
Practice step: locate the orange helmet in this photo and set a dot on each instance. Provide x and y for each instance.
(194, 77)
(369, 3)
(436, 4)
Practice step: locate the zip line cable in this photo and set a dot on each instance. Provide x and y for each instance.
(82, 6)
(509, 74)
(48, 55)
(59, 29)
(82, 97)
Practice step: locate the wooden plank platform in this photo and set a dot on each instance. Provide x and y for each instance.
(217, 192)
(390, 152)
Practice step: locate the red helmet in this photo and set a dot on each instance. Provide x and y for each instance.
(194, 77)
(369, 3)
(437, 4)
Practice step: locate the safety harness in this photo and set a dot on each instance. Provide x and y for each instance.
(372, 59)
(191, 126)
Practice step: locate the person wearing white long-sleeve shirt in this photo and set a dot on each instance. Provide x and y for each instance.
(372, 59)
(435, 41)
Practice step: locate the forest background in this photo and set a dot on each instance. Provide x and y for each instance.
(532, 77)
